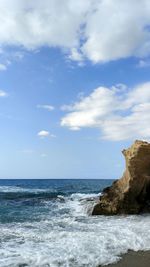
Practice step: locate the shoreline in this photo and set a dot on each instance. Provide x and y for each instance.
(133, 259)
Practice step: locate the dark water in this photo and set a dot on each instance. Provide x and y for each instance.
(23, 200)
(47, 223)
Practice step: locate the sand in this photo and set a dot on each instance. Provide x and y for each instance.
(134, 259)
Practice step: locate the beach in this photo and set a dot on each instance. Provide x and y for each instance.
(134, 259)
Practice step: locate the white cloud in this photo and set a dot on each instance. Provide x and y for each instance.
(46, 107)
(18, 55)
(143, 63)
(99, 30)
(3, 93)
(76, 55)
(44, 134)
(116, 31)
(3, 67)
(37, 23)
(119, 112)
(52, 135)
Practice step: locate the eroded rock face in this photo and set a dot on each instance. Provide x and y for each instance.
(130, 194)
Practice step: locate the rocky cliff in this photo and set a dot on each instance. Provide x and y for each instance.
(130, 194)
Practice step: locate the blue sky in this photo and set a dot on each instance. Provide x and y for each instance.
(68, 106)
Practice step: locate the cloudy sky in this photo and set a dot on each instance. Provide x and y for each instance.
(74, 86)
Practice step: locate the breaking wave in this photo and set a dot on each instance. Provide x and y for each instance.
(58, 231)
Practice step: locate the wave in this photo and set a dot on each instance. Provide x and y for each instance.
(73, 242)
(20, 196)
(65, 235)
(61, 233)
(18, 193)
(81, 204)
(16, 189)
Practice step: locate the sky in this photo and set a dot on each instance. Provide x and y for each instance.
(74, 86)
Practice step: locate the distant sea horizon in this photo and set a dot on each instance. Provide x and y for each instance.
(57, 178)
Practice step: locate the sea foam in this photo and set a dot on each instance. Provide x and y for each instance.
(70, 237)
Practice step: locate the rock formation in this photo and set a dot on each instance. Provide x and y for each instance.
(130, 194)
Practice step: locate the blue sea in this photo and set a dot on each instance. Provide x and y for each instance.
(48, 223)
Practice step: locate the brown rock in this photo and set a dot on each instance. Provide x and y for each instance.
(130, 194)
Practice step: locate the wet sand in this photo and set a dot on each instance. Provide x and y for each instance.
(133, 259)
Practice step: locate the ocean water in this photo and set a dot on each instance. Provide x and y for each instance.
(48, 223)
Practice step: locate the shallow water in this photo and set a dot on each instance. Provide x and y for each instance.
(47, 223)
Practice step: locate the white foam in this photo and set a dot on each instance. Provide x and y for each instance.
(80, 204)
(17, 189)
(72, 239)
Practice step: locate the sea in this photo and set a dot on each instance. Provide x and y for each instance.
(48, 223)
